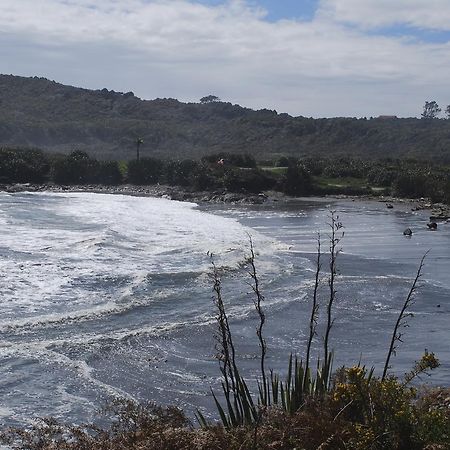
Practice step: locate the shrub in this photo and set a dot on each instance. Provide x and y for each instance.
(412, 184)
(145, 171)
(109, 173)
(183, 173)
(23, 166)
(250, 180)
(232, 159)
(297, 181)
(381, 176)
(76, 168)
(380, 409)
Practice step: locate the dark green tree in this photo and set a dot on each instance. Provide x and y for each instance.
(431, 110)
(109, 173)
(247, 180)
(182, 173)
(77, 168)
(413, 184)
(209, 99)
(145, 171)
(23, 166)
(297, 180)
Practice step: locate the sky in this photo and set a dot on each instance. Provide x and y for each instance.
(315, 58)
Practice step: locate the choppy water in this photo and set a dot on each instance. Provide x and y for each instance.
(105, 296)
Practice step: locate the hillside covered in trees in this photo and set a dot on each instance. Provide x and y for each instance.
(36, 112)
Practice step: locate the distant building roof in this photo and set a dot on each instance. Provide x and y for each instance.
(387, 117)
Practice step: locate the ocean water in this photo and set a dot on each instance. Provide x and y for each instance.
(108, 296)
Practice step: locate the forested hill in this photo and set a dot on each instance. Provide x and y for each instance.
(36, 112)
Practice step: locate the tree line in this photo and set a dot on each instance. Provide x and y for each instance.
(431, 110)
(234, 173)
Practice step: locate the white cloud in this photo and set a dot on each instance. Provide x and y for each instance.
(427, 14)
(177, 48)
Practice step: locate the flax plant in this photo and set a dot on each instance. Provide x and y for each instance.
(240, 408)
(314, 313)
(402, 320)
(264, 392)
(335, 239)
(299, 384)
(302, 383)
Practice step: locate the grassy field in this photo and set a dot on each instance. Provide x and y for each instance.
(324, 184)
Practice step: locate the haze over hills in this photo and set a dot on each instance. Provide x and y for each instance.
(36, 112)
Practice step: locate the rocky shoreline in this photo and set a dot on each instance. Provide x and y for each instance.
(164, 191)
(438, 211)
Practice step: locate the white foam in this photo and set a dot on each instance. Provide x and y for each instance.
(56, 255)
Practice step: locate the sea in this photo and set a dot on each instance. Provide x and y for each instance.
(106, 297)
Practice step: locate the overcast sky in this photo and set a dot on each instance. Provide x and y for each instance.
(319, 58)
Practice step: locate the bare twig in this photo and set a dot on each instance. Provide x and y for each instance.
(335, 238)
(314, 311)
(402, 317)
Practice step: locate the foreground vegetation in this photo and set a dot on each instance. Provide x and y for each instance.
(410, 425)
(309, 407)
(238, 173)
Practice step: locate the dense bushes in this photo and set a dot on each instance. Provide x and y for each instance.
(247, 180)
(402, 178)
(34, 166)
(297, 180)
(145, 171)
(204, 175)
(418, 182)
(109, 173)
(232, 159)
(236, 173)
(346, 167)
(23, 166)
(79, 168)
(186, 173)
(389, 414)
(423, 423)
(411, 184)
(382, 176)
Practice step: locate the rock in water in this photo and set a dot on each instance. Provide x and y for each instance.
(408, 232)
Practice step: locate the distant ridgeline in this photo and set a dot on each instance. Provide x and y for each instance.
(36, 112)
(235, 173)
